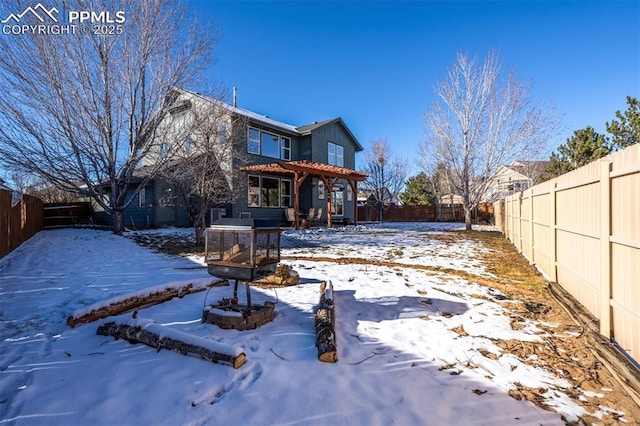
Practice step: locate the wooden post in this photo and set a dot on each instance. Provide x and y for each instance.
(531, 245)
(553, 272)
(605, 248)
(354, 188)
(520, 221)
(298, 178)
(325, 325)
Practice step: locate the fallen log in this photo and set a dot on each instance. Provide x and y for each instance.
(157, 336)
(146, 297)
(325, 325)
(284, 276)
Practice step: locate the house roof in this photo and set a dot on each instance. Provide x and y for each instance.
(266, 120)
(310, 167)
(307, 129)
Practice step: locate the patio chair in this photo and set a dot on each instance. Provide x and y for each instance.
(318, 218)
(291, 216)
(311, 215)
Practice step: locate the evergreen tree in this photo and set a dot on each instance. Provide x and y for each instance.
(418, 191)
(626, 131)
(585, 146)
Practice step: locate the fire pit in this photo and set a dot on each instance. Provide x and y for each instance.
(241, 250)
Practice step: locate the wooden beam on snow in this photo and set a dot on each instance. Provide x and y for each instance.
(157, 336)
(137, 300)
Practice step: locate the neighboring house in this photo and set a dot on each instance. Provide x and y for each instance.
(519, 176)
(275, 159)
(450, 199)
(369, 197)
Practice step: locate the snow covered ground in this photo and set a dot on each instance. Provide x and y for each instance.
(401, 360)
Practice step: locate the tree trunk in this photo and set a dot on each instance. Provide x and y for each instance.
(160, 337)
(467, 218)
(135, 301)
(118, 221)
(325, 325)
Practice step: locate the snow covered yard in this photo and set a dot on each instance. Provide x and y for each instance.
(420, 341)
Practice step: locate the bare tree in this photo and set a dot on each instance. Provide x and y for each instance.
(83, 110)
(483, 119)
(387, 174)
(205, 172)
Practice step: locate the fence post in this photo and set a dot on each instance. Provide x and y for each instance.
(605, 248)
(533, 256)
(553, 273)
(520, 221)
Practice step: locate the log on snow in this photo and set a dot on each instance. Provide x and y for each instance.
(325, 325)
(160, 337)
(129, 302)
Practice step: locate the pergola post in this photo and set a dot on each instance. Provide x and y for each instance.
(298, 178)
(354, 188)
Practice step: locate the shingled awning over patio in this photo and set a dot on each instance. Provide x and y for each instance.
(302, 169)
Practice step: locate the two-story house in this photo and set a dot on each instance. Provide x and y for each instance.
(278, 167)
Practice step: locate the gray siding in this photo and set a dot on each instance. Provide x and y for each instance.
(321, 137)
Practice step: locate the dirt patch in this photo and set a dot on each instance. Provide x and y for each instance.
(169, 244)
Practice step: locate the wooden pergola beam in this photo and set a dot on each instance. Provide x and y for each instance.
(300, 170)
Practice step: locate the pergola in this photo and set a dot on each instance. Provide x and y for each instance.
(300, 170)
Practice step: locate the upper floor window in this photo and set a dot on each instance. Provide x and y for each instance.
(253, 145)
(268, 144)
(336, 155)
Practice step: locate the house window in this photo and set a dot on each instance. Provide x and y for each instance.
(253, 145)
(222, 133)
(320, 190)
(254, 191)
(285, 147)
(269, 144)
(285, 193)
(142, 198)
(336, 155)
(269, 192)
(349, 193)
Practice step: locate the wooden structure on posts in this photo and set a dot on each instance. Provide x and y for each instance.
(300, 170)
(19, 221)
(582, 229)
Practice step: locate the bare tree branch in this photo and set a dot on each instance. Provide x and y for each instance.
(387, 174)
(483, 119)
(205, 171)
(85, 109)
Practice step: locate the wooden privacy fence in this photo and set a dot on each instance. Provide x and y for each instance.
(411, 213)
(582, 230)
(19, 222)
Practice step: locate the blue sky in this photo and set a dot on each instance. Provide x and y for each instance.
(375, 63)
